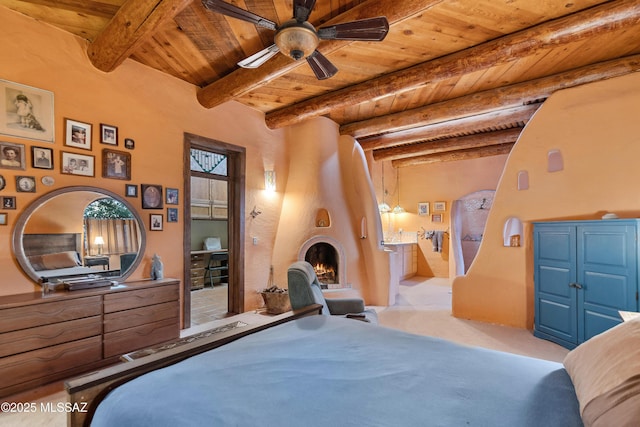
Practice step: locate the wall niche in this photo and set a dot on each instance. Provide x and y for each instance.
(322, 218)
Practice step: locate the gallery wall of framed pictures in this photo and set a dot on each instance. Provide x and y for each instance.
(29, 114)
(434, 211)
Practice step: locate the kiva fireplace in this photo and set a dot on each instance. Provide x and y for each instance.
(326, 255)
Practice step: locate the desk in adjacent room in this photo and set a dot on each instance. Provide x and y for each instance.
(199, 260)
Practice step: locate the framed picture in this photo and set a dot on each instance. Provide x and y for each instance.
(172, 215)
(129, 144)
(151, 196)
(12, 156)
(41, 158)
(423, 208)
(77, 164)
(77, 134)
(48, 180)
(108, 134)
(131, 190)
(172, 197)
(8, 202)
(3, 183)
(155, 222)
(116, 164)
(26, 112)
(439, 206)
(3, 219)
(436, 218)
(25, 184)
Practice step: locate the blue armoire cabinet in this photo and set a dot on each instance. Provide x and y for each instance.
(584, 272)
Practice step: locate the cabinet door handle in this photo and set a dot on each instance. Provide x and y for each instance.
(575, 285)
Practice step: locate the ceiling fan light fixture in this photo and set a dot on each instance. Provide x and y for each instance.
(296, 39)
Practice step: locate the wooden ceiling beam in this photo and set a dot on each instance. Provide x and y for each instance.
(492, 120)
(242, 81)
(132, 25)
(450, 144)
(450, 156)
(579, 26)
(492, 99)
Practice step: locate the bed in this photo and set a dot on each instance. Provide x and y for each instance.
(55, 254)
(324, 370)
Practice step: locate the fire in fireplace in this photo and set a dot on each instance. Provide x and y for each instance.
(324, 259)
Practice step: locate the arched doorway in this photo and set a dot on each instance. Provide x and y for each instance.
(469, 217)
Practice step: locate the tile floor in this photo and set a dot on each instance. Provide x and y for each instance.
(209, 304)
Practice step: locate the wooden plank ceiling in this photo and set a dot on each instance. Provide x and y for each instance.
(454, 79)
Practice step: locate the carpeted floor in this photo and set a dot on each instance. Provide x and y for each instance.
(423, 307)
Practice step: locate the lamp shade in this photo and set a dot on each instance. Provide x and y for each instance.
(98, 240)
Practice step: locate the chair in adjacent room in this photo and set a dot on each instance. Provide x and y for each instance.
(304, 290)
(216, 269)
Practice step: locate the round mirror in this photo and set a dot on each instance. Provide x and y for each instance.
(79, 231)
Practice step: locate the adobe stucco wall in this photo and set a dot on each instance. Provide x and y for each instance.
(444, 181)
(596, 128)
(153, 109)
(329, 172)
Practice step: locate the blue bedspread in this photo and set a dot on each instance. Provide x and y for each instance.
(329, 371)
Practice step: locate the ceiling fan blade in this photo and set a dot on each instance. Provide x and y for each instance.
(302, 9)
(373, 29)
(235, 12)
(321, 66)
(257, 59)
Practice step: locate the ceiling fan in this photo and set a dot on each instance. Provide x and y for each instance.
(298, 39)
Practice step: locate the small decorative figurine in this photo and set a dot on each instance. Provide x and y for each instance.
(157, 269)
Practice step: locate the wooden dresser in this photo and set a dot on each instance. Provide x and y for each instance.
(45, 338)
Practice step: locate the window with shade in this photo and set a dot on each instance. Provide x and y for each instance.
(110, 228)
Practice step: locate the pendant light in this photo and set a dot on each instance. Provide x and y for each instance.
(398, 209)
(383, 207)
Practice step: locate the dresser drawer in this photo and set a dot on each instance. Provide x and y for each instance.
(130, 339)
(197, 283)
(197, 272)
(140, 298)
(140, 316)
(13, 319)
(199, 260)
(48, 335)
(38, 364)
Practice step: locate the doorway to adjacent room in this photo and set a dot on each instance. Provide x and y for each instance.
(213, 232)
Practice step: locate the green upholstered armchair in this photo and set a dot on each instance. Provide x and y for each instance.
(304, 290)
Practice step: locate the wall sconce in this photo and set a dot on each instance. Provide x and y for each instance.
(99, 241)
(270, 180)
